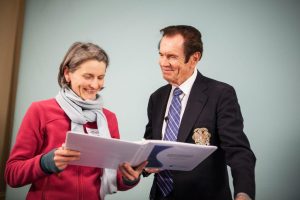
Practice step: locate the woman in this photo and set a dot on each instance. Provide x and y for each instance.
(39, 157)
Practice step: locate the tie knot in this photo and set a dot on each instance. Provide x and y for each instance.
(177, 92)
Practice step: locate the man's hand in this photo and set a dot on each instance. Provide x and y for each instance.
(242, 196)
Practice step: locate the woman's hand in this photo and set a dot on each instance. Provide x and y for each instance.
(63, 156)
(152, 170)
(132, 173)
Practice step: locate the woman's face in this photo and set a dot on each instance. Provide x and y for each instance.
(88, 79)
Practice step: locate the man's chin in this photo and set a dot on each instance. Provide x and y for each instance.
(167, 78)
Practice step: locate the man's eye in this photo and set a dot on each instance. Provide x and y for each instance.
(172, 57)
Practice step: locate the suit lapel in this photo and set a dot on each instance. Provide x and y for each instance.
(160, 112)
(195, 104)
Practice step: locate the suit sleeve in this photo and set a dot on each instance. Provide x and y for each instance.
(148, 131)
(234, 142)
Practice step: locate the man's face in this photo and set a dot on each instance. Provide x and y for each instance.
(172, 60)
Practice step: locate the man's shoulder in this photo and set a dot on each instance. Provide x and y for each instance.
(161, 90)
(209, 83)
(213, 83)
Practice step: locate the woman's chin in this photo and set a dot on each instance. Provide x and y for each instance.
(89, 97)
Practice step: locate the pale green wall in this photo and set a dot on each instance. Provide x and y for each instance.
(253, 45)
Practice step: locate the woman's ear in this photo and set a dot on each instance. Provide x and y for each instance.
(67, 75)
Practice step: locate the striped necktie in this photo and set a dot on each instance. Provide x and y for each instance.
(164, 178)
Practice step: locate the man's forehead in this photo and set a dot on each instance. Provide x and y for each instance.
(176, 39)
(171, 43)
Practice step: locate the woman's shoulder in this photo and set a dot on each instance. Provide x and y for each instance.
(44, 112)
(112, 123)
(48, 107)
(47, 103)
(108, 113)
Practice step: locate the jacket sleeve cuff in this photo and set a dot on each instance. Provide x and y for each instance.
(47, 163)
(123, 185)
(130, 182)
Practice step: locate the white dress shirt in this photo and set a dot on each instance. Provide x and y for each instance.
(186, 89)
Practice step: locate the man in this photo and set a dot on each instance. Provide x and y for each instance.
(203, 111)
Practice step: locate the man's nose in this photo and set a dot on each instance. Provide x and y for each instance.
(163, 61)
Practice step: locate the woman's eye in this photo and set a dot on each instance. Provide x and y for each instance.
(87, 77)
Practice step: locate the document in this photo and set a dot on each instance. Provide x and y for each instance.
(109, 152)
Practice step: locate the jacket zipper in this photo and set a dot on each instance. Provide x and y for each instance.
(44, 188)
(79, 184)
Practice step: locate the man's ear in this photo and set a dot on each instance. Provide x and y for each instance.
(197, 56)
(194, 59)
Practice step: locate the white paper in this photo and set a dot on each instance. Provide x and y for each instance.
(109, 153)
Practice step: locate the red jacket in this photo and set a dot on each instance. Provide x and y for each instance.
(44, 128)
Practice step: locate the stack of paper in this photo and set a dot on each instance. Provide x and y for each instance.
(109, 153)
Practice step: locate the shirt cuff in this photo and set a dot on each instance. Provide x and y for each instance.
(242, 194)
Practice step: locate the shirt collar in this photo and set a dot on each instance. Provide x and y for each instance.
(186, 86)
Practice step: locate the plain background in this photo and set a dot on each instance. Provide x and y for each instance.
(252, 45)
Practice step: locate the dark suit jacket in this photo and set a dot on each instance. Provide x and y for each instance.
(212, 105)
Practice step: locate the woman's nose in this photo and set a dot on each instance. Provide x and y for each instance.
(95, 83)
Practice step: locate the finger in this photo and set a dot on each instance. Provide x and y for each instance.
(141, 166)
(123, 169)
(66, 153)
(61, 166)
(129, 169)
(135, 171)
(62, 162)
(152, 170)
(66, 159)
